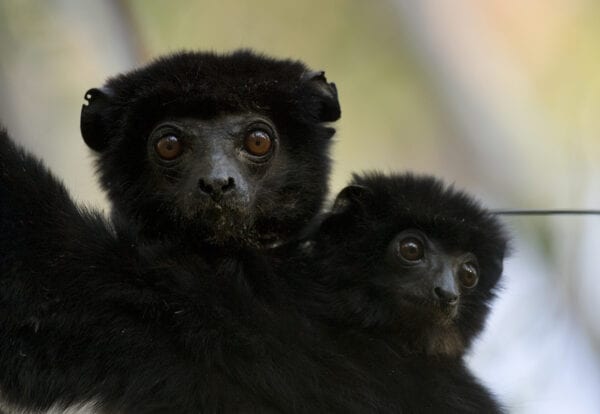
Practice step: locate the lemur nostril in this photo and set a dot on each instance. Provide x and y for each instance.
(207, 188)
(228, 185)
(449, 297)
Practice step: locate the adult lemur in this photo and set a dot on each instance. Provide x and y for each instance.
(169, 307)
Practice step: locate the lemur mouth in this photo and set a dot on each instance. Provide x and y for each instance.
(444, 313)
(226, 225)
(450, 310)
(219, 222)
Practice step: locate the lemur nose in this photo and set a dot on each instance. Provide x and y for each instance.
(216, 187)
(450, 298)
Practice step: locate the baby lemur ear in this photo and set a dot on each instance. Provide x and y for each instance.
(351, 197)
(349, 205)
(323, 97)
(95, 118)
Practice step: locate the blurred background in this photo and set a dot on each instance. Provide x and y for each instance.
(501, 97)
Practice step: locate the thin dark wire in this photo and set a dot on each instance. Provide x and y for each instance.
(547, 212)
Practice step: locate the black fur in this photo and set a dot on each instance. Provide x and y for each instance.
(90, 316)
(346, 280)
(153, 312)
(144, 314)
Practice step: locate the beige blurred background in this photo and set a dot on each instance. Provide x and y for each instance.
(501, 97)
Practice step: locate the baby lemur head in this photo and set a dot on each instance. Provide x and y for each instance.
(412, 257)
(225, 149)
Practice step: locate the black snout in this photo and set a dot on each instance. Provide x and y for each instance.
(217, 187)
(445, 296)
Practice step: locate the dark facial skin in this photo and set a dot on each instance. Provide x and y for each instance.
(428, 276)
(212, 169)
(429, 284)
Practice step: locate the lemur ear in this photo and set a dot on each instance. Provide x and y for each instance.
(347, 209)
(324, 96)
(350, 197)
(95, 118)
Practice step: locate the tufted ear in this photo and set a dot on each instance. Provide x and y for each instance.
(95, 118)
(323, 96)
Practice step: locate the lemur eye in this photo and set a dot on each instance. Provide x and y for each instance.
(468, 274)
(169, 147)
(411, 249)
(258, 142)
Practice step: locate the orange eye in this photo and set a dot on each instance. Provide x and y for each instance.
(411, 249)
(468, 274)
(169, 147)
(258, 143)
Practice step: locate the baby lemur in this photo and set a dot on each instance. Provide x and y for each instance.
(402, 272)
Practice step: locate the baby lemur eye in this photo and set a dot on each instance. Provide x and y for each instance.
(468, 274)
(411, 249)
(169, 147)
(258, 142)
